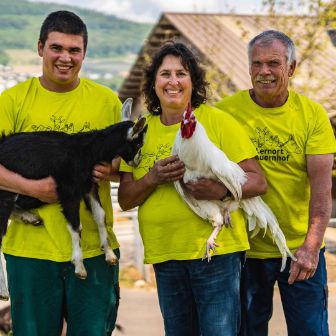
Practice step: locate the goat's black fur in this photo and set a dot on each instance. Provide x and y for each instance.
(68, 158)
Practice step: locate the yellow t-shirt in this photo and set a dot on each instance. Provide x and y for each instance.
(283, 136)
(169, 229)
(29, 107)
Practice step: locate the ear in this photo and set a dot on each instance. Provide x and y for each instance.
(127, 109)
(291, 70)
(39, 48)
(139, 126)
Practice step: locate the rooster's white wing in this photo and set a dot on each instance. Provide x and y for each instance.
(228, 172)
(191, 201)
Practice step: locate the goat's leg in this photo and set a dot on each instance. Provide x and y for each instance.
(98, 214)
(7, 200)
(4, 295)
(71, 213)
(77, 254)
(27, 217)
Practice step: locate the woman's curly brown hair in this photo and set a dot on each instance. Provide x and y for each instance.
(189, 62)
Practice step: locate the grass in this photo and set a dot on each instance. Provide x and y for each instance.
(23, 57)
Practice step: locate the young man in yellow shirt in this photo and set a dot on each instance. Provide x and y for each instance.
(42, 284)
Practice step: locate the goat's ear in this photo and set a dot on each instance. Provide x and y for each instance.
(127, 109)
(137, 128)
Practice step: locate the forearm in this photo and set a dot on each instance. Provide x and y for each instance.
(44, 189)
(133, 193)
(13, 182)
(319, 216)
(307, 255)
(256, 184)
(319, 169)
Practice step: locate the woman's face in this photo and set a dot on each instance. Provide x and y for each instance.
(173, 84)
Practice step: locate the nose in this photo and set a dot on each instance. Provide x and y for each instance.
(265, 69)
(173, 80)
(65, 57)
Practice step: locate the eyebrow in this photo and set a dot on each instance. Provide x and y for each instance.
(60, 46)
(55, 45)
(177, 70)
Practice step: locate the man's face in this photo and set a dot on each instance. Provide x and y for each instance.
(270, 73)
(63, 55)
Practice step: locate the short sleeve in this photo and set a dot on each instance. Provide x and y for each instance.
(227, 134)
(7, 121)
(321, 138)
(236, 142)
(115, 105)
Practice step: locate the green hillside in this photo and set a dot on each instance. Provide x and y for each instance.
(20, 22)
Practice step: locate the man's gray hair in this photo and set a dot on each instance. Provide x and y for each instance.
(267, 37)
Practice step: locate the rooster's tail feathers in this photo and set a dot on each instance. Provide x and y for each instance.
(260, 216)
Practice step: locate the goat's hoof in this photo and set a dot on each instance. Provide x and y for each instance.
(35, 222)
(80, 272)
(110, 257)
(38, 222)
(112, 261)
(81, 275)
(4, 297)
(31, 219)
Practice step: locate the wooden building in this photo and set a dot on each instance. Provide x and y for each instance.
(220, 40)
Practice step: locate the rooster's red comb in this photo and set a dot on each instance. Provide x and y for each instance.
(188, 123)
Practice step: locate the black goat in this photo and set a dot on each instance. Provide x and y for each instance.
(69, 159)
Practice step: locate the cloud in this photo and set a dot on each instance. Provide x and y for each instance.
(142, 11)
(150, 10)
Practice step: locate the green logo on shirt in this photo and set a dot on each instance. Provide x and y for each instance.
(271, 148)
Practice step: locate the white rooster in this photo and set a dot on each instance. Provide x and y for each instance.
(208, 161)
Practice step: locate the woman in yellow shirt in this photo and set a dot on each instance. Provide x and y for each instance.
(196, 297)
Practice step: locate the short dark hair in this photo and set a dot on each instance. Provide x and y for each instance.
(189, 62)
(63, 22)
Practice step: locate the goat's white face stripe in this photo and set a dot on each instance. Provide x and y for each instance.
(137, 158)
(131, 135)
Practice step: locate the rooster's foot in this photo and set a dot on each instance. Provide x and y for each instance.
(210, 246)
(227, 218)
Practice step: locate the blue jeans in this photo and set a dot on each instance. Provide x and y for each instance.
(200, 298)
(304, 302)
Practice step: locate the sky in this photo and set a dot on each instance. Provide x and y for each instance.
(150, 10)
